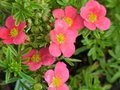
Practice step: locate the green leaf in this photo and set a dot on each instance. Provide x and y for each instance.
(115, 76)
(60, 2)
(11, 80)
(21, 84)
(100, 51)
(69, 62)
(17, 86)
(26, 50)
(81, 49)
(5, 5)
(72, 60)
(65, 1)
(19, 17)
(117, 50)
(8, 55)
(109, 33)
(85, 33)
(34, 5)
(2, 64)
(12, 50)
(7, 76)
(26, 77)
(96, 33)
(112, 54)
(92, 52)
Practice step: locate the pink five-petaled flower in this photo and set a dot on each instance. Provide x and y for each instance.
(12, 34)
(62, 40)
(38, 58)
(70, 16)
(94, 16)
(56, 79)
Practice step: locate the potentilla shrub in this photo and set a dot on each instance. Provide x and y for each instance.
(59, 44)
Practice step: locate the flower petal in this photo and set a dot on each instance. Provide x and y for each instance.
(54, 50)
(20, 38)
(102, 11)
(29, 54)
(34, 66)
(63, 87)
(4, 33)
(8, 41)
(21, 26)
(48, 76)
(52, 88)
(71, 36)
(68, 49)
(61, 71)
(46, 58)
(10, 22)
(84, 12)
(60, 25)
(53, 36)
(58, 13)
(103, 23)
(70, 12)
(92, 4)
(78, 23)
(90, 25)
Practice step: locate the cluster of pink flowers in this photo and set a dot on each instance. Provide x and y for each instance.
(65, 32)
(63, 36)
(68, 22)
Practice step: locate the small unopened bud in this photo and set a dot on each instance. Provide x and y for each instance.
(37, 86)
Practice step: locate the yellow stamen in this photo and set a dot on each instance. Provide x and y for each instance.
(69, 21)
(92, 17)
(60, 38)
(36, 58)
(14, 32)
(56, 82)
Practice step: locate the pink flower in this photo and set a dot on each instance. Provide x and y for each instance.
(94, 16)
(12, 34)
(62, 40)
(38, 58)
(70, 16)
(56, 79)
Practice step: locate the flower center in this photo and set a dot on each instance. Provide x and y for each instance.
(35, 58)
(69, 21)
(92, 17)
(14, 32)
(56, 81)
(60, 38)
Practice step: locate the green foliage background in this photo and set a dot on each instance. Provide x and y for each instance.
(98, 51)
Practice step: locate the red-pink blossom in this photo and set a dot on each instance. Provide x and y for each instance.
(38, 58)
(70, 16)
(12, 34)
(93, 14)
(62, 40)
(56, 79)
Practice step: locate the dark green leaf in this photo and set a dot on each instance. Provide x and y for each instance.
(12, 50)
(26, 50)
(7, 76)
(26, 77)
